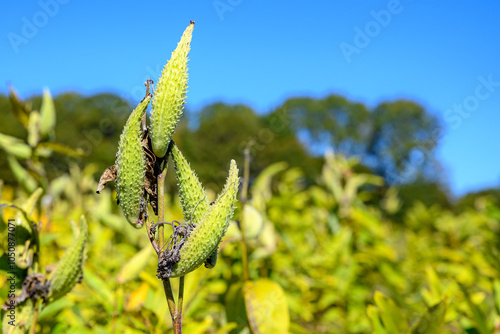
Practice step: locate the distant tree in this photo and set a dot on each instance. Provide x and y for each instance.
(469, 200)
(401, 142)
(396, 140)
(421, 190)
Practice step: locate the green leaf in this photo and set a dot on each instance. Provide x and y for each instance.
(70, 268)
(254, 223)
(21, 110)
(496, 292)
(297, 329)
(135, 265)
(34, 129)
(392, 316)
(477, 313)
(266, 307)
(15, 147)
(50, 311)
(58, 148)
(22, 175)
(170, 95)
(261, 190)
(235, 307)
(373, 314)
(47, 116)
(432, 320)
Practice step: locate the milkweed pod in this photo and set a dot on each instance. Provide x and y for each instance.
(170, 95)
(207, 235)
(192, 195)
(131, 164)
(69, 270)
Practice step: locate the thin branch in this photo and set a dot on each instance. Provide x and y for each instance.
(244, 194)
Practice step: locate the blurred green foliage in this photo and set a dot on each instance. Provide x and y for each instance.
(329, 250)
(349, 257)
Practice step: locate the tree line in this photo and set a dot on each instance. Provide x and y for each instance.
(396, 139)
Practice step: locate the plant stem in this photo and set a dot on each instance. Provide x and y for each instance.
(244, 194)
(161, 207)
(171, 302)
(176, 314)
(35, 317)
(181, 296)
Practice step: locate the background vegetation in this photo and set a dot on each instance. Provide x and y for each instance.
(362, 240)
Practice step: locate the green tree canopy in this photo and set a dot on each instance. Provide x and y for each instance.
(396, 139)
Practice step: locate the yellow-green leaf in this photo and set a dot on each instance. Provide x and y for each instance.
(21, 110)
(266, 307)
(34, 129)
(22, 175)
(392, 316)
(432, 320)
(135, 265)
(47, 116)
(15, 147)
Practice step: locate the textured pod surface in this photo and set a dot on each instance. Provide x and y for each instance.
(207, 235)
(192, 195)
(131, 164)
(69, 270)
(170, 95)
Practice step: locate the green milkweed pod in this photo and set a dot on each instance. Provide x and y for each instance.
(70, 268)
(170, 95)
(131, 165)
(193, 198)
(207, 235)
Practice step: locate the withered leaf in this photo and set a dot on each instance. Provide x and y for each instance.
(108, 176)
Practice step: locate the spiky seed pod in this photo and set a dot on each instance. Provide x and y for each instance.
(131, 164)
(69, 270)
(192, 195)
(207, 235)
(170, 95)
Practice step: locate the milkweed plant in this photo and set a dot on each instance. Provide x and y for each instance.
(139, 174)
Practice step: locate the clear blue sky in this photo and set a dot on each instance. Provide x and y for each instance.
(442, 54)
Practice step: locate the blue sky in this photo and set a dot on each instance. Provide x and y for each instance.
(444, 55)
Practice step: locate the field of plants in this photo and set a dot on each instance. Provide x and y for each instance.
(340, 252)
(343, 264)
